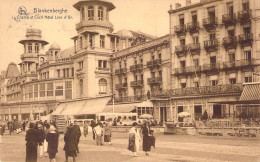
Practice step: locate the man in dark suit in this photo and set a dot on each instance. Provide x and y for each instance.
(77, 130)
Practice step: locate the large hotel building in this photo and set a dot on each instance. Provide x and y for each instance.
(211, 50)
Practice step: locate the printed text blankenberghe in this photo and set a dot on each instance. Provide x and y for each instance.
(44, 10)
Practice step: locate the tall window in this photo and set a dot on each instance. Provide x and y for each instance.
(100, 13)
(80, 43)
(102, 86)
(232, 81)
(30, 48)
(58, 73)
(102, 41)
(59, 89)
(82, 13)
(68, 90)
(36, 48)
(91, 40)
(80, 64)
(49, 89)
(81, 87)
(245, 6)
(247, 55)
(91, 13)
(42, 90)
(35, 90)
(214, 82)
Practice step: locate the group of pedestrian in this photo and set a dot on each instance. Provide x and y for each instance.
(15, 126)
(135, 139)
(101, 132)
(41, 137)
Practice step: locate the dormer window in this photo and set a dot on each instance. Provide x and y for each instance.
(36, 48)
(30, 48)
(100, 13)
(90, 13)
(82, 13)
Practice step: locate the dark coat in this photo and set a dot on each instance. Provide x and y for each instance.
(146, 139)
(70, 142)
(53, 142)
(1, 130)
(40, 136)
(31, 145)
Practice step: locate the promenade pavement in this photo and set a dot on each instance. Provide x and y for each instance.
(168, 148)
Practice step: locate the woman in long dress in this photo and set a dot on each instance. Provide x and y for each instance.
(134, 140)
(146, 138)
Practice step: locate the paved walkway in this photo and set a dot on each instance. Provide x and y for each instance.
(168, 148)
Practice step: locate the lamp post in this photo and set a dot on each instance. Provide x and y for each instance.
(113, 102)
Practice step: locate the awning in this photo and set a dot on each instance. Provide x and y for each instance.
(122, 108)
(80, 107)
(251, 92)
(73, 108)
(126, 108)
(59, 109)
(94, 106)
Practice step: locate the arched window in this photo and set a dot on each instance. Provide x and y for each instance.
(36, 48)
(56, 55)
(82, 13)
(100, 13)
(102, 86)
(81, 87)
(30, 48)
(91, 13)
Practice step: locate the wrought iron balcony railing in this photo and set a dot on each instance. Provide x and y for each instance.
(180, 29)
(229, 19)
(120, 71)
(245, 39)
(193, 27)
(121, 86)
(136, 67)
(137, 83)
(211, 45)
(156, 80)
(244, 16)
(230, 42)
(210, 23)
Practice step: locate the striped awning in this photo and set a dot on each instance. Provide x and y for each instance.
(250, 92)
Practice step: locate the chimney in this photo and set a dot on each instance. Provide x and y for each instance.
(177, 5)
(188, 2)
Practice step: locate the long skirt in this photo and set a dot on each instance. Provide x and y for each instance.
(146, 143)
(31, 152)
(133, 145)
(107, 138)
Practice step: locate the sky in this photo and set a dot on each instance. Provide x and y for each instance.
(149, 16)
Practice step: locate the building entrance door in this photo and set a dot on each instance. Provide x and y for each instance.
(197, 112)
(163, 114)
(216, 111)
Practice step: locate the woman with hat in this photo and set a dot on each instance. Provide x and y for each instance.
(146, 137)
(134, 140)
(53, 140)
(31, 144)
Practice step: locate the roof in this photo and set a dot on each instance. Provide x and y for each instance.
(67, 52)
(124, 34)
(12, 71)
(251, 92)
(54, 46)
(143, 34)
(109, 4)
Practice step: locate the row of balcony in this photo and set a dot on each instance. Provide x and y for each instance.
(238, 64)
(212, 45)
(138, 67)
(211, 23)
(125, 99)
(140, 83)
(203, 90)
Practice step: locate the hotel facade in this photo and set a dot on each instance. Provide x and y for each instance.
(211, 50)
